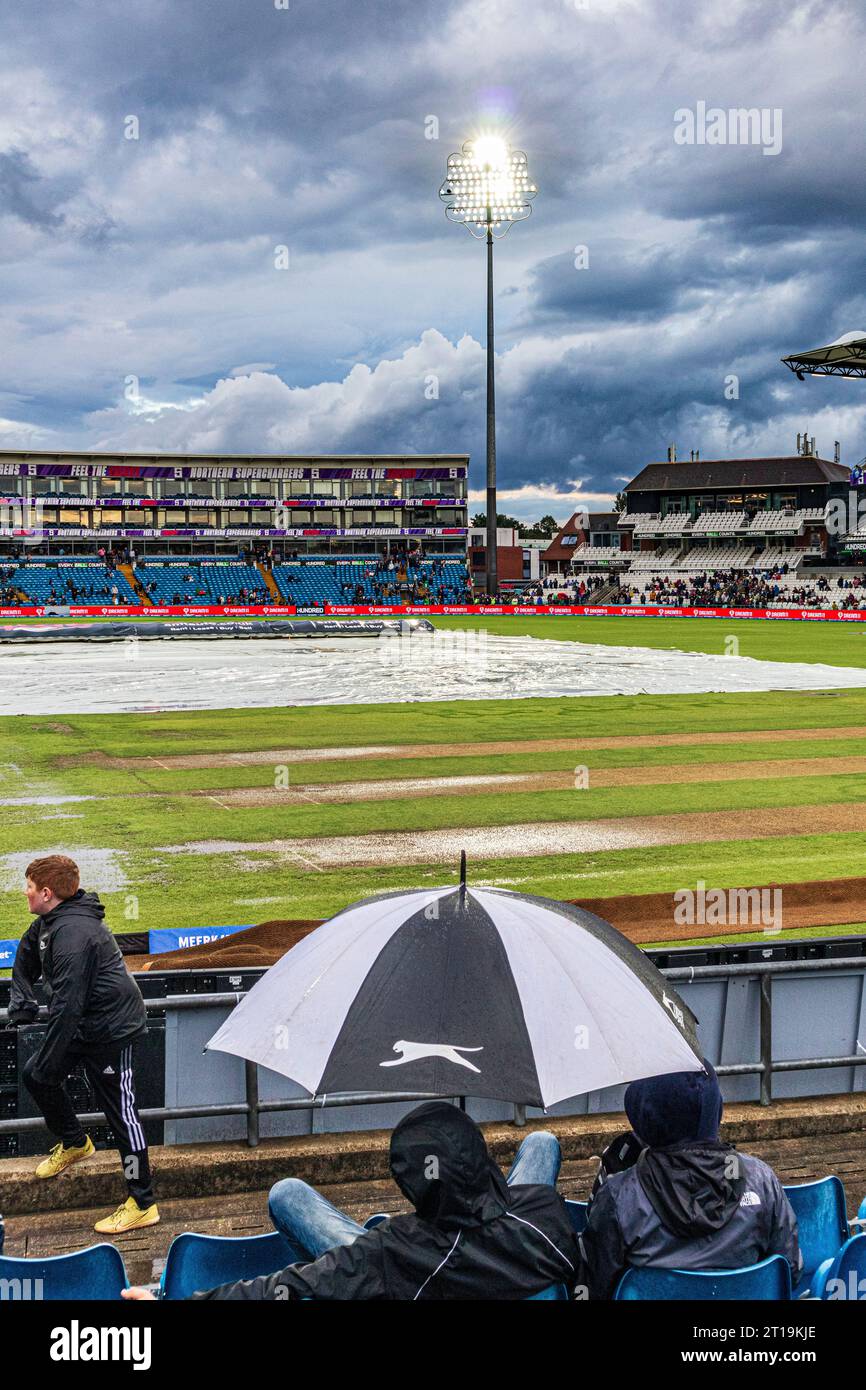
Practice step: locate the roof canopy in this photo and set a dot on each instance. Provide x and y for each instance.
(845, 357)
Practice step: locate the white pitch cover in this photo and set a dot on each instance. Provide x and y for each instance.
(291, 1017)
(628, 1034)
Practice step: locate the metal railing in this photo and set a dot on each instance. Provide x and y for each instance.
(252, 1107)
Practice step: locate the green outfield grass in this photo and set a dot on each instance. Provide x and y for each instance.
(146, 806)
(767, 639)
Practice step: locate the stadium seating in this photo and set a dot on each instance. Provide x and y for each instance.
(772, 557)
(847, 1269)
(822, 1224)
(769, 1280)
(721, 523)
(716, 557)
(577, 1212)
(663, 559)
(203, 1262)
(334, 581)
(94, 1274)
(200, 581)
(39, 579)
(596, 554)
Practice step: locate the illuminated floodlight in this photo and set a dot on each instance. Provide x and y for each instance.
(487, 187)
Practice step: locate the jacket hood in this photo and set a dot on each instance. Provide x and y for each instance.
(81, 903)
(686, 1171)
(694, 1188)
(440, 1162)
(684, 1105)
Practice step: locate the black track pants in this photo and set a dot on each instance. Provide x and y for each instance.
(109, 1069)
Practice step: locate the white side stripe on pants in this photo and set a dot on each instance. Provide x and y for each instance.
(127, 1102)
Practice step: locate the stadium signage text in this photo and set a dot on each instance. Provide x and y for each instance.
(851, 615)
(222, 473)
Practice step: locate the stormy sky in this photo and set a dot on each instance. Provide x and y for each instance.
(155, 157)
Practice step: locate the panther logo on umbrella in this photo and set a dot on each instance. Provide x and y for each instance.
(416, 1052)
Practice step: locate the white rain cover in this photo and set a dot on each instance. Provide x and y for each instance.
(568, 980)
(290, 1019)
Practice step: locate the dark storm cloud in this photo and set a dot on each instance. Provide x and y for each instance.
(305, 126)
(24, 193)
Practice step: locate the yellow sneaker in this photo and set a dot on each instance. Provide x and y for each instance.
(128, 1217)
(60, 1158)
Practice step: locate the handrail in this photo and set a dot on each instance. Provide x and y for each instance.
(252, 1107)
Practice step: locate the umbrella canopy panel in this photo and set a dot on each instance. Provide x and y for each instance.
(482, 993)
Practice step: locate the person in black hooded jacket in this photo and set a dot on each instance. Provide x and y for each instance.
(95, 1016)
(472, 1235)
(673, 1194)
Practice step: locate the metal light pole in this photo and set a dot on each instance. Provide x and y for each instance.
(487, 189)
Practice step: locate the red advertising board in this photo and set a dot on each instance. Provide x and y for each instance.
(416, 610)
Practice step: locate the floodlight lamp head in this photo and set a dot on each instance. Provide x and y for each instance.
(487, 187)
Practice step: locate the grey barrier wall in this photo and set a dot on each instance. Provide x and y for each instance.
(815, 1014)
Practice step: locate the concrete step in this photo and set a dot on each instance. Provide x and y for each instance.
(808, 1136)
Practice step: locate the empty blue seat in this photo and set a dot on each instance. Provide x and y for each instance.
(770, 1280)
(196, 1262)
(94, 1275)
(577, 1212)
(822, 1224)
(860, 1219)
(843, 1277)
(557, 1291)
(376, 1220)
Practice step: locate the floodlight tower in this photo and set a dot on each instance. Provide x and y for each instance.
(487, 189)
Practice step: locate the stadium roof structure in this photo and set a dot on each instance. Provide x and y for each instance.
(797, 471)
(844, 357)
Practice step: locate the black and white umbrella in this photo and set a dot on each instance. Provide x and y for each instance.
(477, 991)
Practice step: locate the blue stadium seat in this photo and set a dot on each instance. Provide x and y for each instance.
(323, 580)
(822, 1224)
(577, 1212)
(553, 1291)
(195, 1262)
(93, 1275)
(37, 579)
(859, 1221)
(843, 1277)
(217, 578)
(376, 1220)
(770, 1280)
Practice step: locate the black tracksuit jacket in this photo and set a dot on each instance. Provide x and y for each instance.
(93, 1000)
(471, 1236)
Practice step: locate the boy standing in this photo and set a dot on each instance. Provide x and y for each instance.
(95, 1014)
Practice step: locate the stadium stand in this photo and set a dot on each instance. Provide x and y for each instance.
(64, 582)
(721, 523)
(202, 581)
(434, 580)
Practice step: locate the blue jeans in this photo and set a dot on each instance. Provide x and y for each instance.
(312, 1224)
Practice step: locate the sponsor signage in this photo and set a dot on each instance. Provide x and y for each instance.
(181, 938)
(8, 952)
(228, 472)
(244, 532)
(203, 503)
(451, 609)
